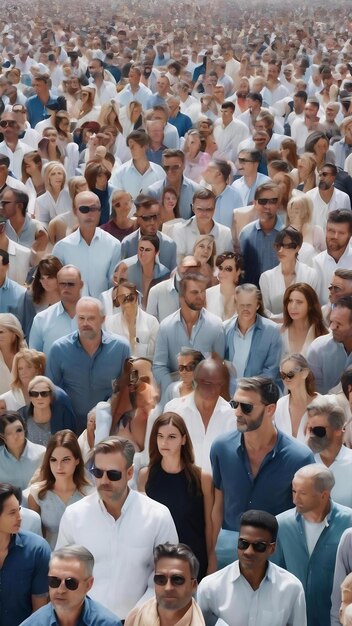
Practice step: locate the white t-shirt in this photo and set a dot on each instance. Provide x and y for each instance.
(313, 531)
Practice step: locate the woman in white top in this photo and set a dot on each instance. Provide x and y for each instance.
(26, 364)
(291, 410)
(196, 159)
(139, 328)
(56, 199)
(187, 361)
(299, 215)
(220, 299)
(274, 282)
(11, 341)
(33, 178)
(303, 319)
(88, 112)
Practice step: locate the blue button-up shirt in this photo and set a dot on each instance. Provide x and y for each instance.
(86, 379)
(226, 202)
(20, 471)
(258, 250)
(187, 191)
(270, 490)
(50, 325)
(92, 614)
(12, 298)
(23, 574)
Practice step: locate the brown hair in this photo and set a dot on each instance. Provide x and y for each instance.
(48, 266)
(31, 156)
(315, 317)
(303, 364)
(290, 145)
(92, 172)
(32, 357)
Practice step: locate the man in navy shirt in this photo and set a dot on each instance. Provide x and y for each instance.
(253, 467)
(24, 560)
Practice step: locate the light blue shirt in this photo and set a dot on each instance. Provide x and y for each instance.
(128, 178)
(19, 471)
(142, 96)
(27, 235)
(242, 345)
(12, 298)
(187, 191)
(247, 193)
(49, 325)
(96, 262)
(207, 336)
(226, 202)
(327, 359)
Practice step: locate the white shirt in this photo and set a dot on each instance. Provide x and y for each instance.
(226, 594)
(313, 531)
(122, 548)
(326, 266)
(272, 285)
(342, 470)
(222, 420)
(47, 208)
(339, 200)
(19, 262)
(16, 157)
(185, 236)
(229, 137)
(299, 133)
(105, 93)
(147, 327)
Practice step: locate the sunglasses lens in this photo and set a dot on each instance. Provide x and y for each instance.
(112, 475)
(162, 579)
(83, 209)
(54, 582)
(259, 546)
(246, 408)
(319, 431)
(98, 473)
(71, 584)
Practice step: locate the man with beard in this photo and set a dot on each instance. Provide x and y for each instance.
(120, 527)
(253, 466)
(104, 90)
(338, 253)
(325, 430)
(329, 355)
(326, 197)
(308, 538)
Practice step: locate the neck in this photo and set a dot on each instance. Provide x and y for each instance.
(42, 415)
(122, 221)
(4, 242)
(70, 308)
(17, 453)
(114, 508)
(245, 324)
(12, 144)
(173, 465)
(326, 194)
(329, 455)
(3, 180)
(204, 404)
(141, 164)
(64, 483)
(268, 225)
(155, 145)
(55, 191)
(250, 180)
(255, 578)
(318, 515)
(264, 437)
(90, 345)
(288, 266)
(218, 189)
(205, 229)
(5, 539)
(347, 344)
(87, 233)
(337, 254)
(227, 289)
(170, 618)
(98, 81)
(17, 221)
(70, 619)
(188, 315)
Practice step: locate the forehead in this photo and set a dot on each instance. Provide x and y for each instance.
(66, 567)
(112, 460)
(166, 564)
(10, 504)
(255, 534)
(246, 395)
(87, 308)
(340, 314)
(246, 296)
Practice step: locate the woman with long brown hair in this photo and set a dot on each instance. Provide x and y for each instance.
(173, 479)
(302, 319)
(43, 292)
(62, 481)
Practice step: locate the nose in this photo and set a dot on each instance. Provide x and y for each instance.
(168, 585)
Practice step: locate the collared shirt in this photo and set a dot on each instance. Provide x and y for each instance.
(21, 470)
(50, 325)
(315, 571)
(142, 95)
(228, 138)
(326, 266)
(187, 191)
(270, 490)
(24, 574)
(27, 235)
(163, 299)
(128, 178)
(321, 209)
(105, 93)
(167, 250)
(342, 470)
(86, 379)
(47, 207)
(96, 261)
(122, 548)
(247, 193)
(242, 345)
(258, 249)
(16, 157)
(222, 420)
(207, 336)
(12, 298)
(92, 614)
(19, 261)
(185, 236)
(226, 202)
(226, 594)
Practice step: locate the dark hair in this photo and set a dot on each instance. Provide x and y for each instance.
(255, 96)
(5, 257)
(315, 316)
(92, 172)
(345, 303)
(301, 94)
(260, 519)
(265, 387)
(236, 256)
(224, 168)
(290, 145)
(20, 198)
(153, 239)
(254, 155)
(169, 189)
(279, 165)
(192, 472)
(169, 152)
(265, 187)
(304, 365)
(292, 233)
(30, 156)
(332, 167)
(177, 551)
(4, 160)
(341, 216)
(250, 288)
(189, 277)
(312, 139)
(346, 380)
(139, 136)
(204, 194)
(10, 417)
(44, 78)
(6, 491)
(228, 105)
(111, 445)
(63, 439)
(49, 266)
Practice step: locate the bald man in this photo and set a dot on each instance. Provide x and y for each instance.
(93, 251)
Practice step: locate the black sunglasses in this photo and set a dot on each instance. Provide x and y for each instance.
(290, 375)
(66, 284)
(6, 123)
(112, 475)
(258, 546)
(187, 368)
(88, 209)
(70, 583)
(176, 579)
(42, 394)
(246, 407)
(285, 246)
(318, 431)
(265, 201)
(149, 218)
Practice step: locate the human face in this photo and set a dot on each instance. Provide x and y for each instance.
(348, 134)
(95, 69)
(112, 492)
(69, 285)
(193, 144)
(294, 213)
(305, 497)
(133, 78)
(194, 295)
(337, 237)
(137, 151)
(245, 165)
(209, 382)
(172, 597)
(11, 129)
(26, 371)
(170, 201)
(293, 375)
(204, 211)
(303, 168)
(321, 148)
(297, 306)
(126, 298)
(326, 179)
(338, 288)
(148, 226)
(249, 422)
(310, 111)
(40, 402)
(122, 204)
(8, 205)
(170, 441)
(286, 254)
(14, 436)
(228, 273)
(63, 600)
(10, 518)
(40, 87)
(203, 250)
(173, 167)
(146, 252)
(63, 463)
(340, 324)
(7, 338)
(89, 320)
(319, 444)
(267, 212)
(49, 283)
(91, 219)
(247, 307)
(251, 561)
(226, 115)
(186, 361)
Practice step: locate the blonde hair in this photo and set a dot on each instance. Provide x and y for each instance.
(48, 171)
(41, 379)
(305, 204)
(10, 322)
(32, 357)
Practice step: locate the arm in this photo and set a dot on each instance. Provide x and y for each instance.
(142, 479)
(206, 604)
(343, 566)
(299, 611)
(271, 365)
(32, 504)
(53, 367)
(208, 496)
(217, 515)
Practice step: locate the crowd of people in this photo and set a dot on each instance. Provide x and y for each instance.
(175, 314)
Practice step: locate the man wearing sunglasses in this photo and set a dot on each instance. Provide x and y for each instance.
(340, 286)
(175, 582)
(148, 220)
(95, 252)
(309, 536)
(70, 580)
(12, 146)
(252, 587)
(254, 465)
(120, 527)
(257, 238)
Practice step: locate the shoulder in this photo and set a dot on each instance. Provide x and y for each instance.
(320, 342)
(227, 441)
(293, 450)
(32, 542)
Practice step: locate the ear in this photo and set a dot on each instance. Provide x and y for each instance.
(130, 472)
(271, 549)
(89, 583)
(270, 408)
(183, 442)
(194, 586)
